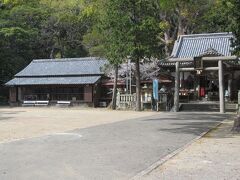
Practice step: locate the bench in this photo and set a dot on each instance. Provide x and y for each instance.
(63, 103)
(41, 103)
(28, 103)
(35, 103)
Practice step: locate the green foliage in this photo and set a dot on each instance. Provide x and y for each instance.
(234, 6)
(130, 28)
(32, 29)
(116, 29)
(216, 19)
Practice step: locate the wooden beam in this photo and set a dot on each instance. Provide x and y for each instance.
(186, 69)
(217, 58)
(205, 69)
(177, 87)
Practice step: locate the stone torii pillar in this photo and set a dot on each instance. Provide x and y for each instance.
(221, 86)
(177, 86)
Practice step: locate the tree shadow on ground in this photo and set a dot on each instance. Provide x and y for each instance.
(190, 123)
(5, 115)
(5, 118)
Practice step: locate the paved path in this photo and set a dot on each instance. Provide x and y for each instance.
(112, 151)
(213, 157)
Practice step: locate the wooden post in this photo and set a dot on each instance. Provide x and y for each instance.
(177, 86)
(221, 87)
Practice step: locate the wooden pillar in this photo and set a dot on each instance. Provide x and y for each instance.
(177, 86)
(88, 94)
(221, 87)
(13, 94)
(20, 96)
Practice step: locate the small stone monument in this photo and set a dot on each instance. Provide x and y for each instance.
(236, 126)
(238, 101)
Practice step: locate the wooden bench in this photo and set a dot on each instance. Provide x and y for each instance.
(28, 103)
(63, 103)
(35, 103)
(41, 103)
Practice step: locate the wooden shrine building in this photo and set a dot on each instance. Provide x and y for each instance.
(75, 80)
(205, 69)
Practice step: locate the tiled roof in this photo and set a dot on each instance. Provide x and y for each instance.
(56, 67)
(20, 81)
(211, 52)
(188, 46)
(172, 64)
(73, 71)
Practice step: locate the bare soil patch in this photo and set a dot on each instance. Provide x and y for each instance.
(25, 122)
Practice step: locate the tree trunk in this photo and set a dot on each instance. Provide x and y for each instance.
(52, 53)
(167, 42)
(114, 96)
(138, 86)
(182, 27)
(236, 126)
(177, 86)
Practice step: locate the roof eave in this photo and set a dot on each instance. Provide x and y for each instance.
(217, 58)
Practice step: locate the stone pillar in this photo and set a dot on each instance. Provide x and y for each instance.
(230, 89)
(238, 101)
(177, 86)
(221, 87)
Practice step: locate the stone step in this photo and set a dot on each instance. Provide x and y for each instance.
(206, 107)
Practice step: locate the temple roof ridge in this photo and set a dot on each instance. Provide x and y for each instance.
(211, 52)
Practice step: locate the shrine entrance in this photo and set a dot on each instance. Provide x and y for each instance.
(208, 86)
(206, 60)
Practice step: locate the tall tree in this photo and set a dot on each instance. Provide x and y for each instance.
(131, 29)
(32, 29)
(64, 29)
(180, 17)
(234, 6)
(19, 36)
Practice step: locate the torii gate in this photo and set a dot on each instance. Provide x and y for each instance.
(219, 59)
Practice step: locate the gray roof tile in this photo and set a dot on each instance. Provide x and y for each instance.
(61, 67)
(20, 81)
(188, 46)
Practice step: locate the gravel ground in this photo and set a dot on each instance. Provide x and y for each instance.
(118, 150)
(216, 156)
(27, 122)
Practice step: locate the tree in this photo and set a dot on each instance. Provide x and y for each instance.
(179, 17)
(234, 6)
(130, 30)
(64, 29)
(19, 36)
(216, 19)
(34, 29)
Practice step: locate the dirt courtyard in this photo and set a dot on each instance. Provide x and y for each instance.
(27, 122)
